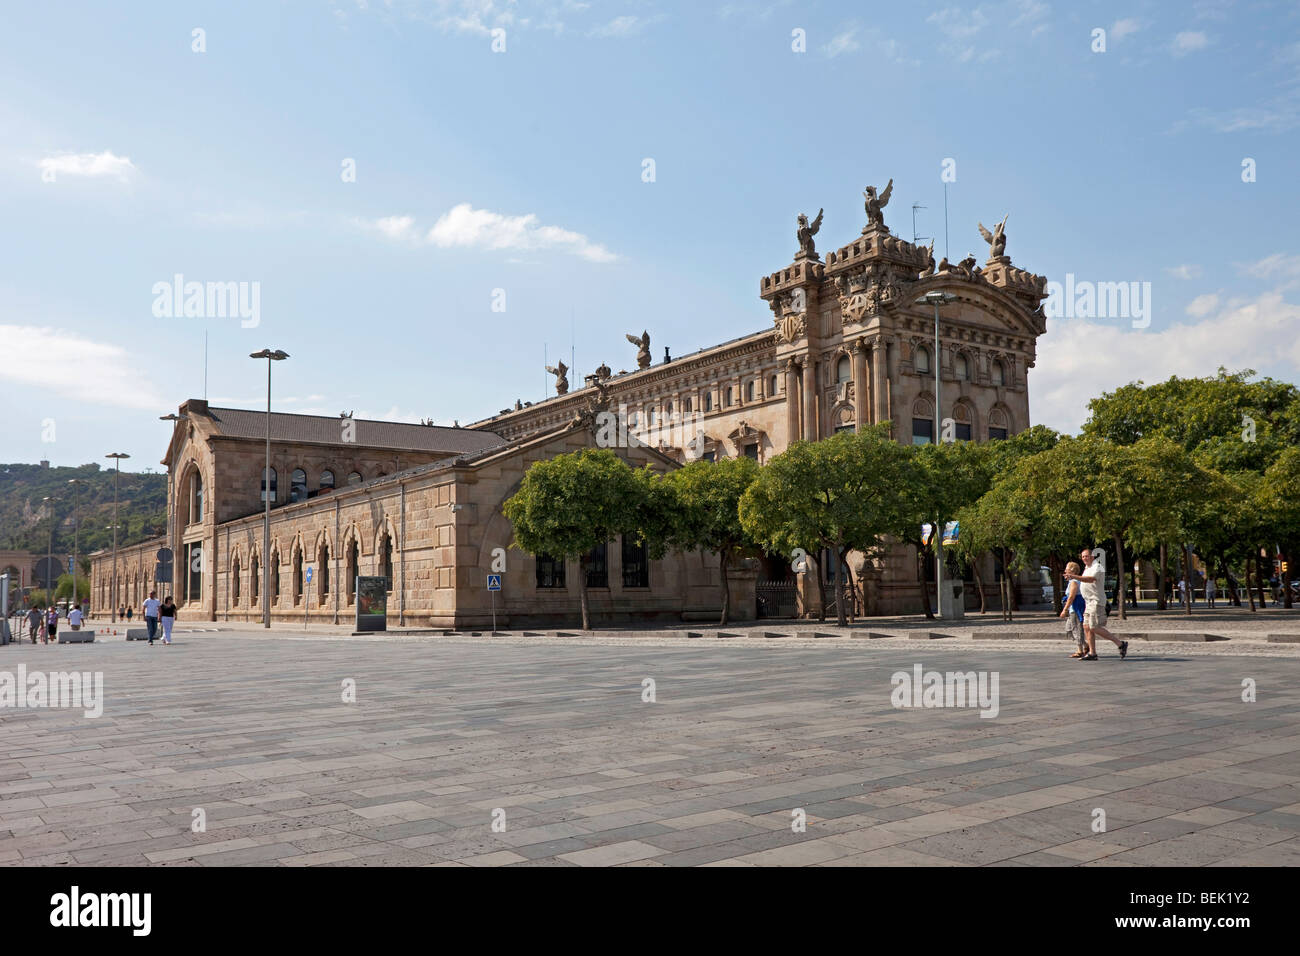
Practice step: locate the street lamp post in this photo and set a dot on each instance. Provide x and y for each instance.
(49, 552)
(171, 491)
(271, 356)
(937, 298)
(117, 457)
(76, 528)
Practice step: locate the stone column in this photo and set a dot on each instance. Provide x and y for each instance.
(895, 390)
(791, 401)
(809, 403)
(881, 410)
(861, 413)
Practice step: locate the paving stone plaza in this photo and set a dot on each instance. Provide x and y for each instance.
(547, 751)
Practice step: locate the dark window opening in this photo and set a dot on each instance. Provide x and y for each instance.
(922, 431)
(636, 564)
(550, 571)
(597, 569)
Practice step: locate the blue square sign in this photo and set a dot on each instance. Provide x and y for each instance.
(309, 575)
(494, 582)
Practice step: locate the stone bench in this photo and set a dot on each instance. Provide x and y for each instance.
(927, 635)
(809, 635)
(141, 634)
(84, 636)
(869, 635)
(1189, 637)
(1284, 638)
(991, 635)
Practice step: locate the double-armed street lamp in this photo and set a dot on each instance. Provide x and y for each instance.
(117, 457)
(76, 528)
(937, 298)
(271, 356)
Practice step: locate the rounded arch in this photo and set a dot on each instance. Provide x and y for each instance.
(962, 364)
(184, 492)
(923, 407)
(842, 365)
(1000, 418)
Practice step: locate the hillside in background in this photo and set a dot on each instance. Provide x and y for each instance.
(25, 522)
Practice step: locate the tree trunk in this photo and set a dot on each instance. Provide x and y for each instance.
(921, 559)
(841, 618)
(726, 587)
(1007, 588)
(1259, 583)
(979, 582)
(1162, 576)
(1249, 593)
(582, 597)
(1121, 605)
(1190, 580)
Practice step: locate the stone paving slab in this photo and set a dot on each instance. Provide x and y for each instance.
(552, 742)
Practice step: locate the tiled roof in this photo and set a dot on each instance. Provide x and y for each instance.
(321, 429)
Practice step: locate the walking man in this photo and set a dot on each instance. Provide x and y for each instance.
(1211, 590)
(151, 607)
(1092, 585)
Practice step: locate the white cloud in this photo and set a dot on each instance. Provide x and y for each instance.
(1203, 305)
(463, 226)
(1079, 360)
(842, 43)
(1189, 41)
(624, 26)
(1125, 27)
(957, 24)
(1185, 272)
(85, 369)
(1277, 266)
(103, 165)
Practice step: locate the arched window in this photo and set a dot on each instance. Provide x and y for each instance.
(668, 408)
(386, 560)
(998, 428)
(771, 386)
(922, 422)
(962, 367)
(749, 390)
(843, 369)
(922, 361)
(326, 480)
(196, 497)
(998, 374)
(275, 577)
(234, 583)
(708, 401)
(298, 485)
(323, 571)
(350, 574)
(297, 578)
(686, 404)
(254, 580)
(726, 397)
(354, 478)
(961, 419)
(269, 482)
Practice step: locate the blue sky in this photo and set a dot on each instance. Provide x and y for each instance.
(128, 157)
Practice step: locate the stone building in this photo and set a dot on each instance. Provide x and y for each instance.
(849, 345)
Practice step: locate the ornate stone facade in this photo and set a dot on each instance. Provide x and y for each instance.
(849, 346)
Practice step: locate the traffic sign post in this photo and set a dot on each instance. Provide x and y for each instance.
(493, 586)
(306, 599)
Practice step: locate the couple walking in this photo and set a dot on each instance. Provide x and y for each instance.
(1085, 603)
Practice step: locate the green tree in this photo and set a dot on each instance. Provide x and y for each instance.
(569, 504)
(840, 493)
(936, 483)
(705, 511)
(63, 588)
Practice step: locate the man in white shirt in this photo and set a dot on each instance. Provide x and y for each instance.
(151, 607)
(74, 617)
(1092, 586)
